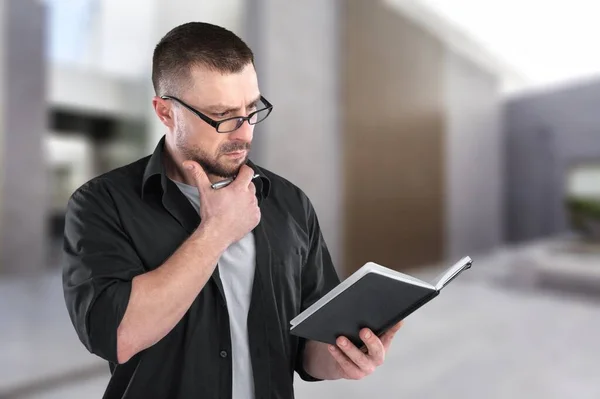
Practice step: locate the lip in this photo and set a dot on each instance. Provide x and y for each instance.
(236, 153)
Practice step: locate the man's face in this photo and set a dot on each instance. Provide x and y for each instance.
(218, 96)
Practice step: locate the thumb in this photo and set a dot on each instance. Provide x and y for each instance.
(198, 174)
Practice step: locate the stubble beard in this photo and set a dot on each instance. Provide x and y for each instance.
(211, 165)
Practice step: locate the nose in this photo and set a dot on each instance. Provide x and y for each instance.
(243, 133)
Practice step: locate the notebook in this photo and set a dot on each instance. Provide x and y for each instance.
(375, 297)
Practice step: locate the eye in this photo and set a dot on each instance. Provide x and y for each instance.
(222, 114)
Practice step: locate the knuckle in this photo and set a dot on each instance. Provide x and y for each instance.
(346, 364)
(360, 363)
(378, 352)
(363, 362)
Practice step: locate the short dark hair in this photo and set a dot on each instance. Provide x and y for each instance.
(196, 44)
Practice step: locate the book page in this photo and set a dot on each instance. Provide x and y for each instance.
(401, 276)
(452, 272)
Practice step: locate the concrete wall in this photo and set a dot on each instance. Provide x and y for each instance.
(2, 113)
(546, 133)
(474, 181)
(298, 72)
(23, 203)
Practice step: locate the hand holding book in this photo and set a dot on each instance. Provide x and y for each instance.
(345, 360)
(355, 363)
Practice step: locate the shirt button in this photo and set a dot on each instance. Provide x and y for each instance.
(223, 354)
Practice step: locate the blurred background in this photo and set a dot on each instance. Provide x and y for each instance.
(422, 130)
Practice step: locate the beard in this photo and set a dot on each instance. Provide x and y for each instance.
(213, 165)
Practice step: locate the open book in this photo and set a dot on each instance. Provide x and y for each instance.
(375, 297)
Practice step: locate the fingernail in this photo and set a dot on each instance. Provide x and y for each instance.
(332, 348)
(189, 166)
(343, 342)
(368, 335)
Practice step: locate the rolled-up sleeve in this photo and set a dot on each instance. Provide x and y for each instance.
(99, 264)
(318, 277)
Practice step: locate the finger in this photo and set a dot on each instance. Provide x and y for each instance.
(252, 188)
(387, 338)
(197, 173)
(348, 367)
(357, 356)
(244, 176)
(375, 348)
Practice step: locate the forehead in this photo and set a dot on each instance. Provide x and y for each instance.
(210, 87)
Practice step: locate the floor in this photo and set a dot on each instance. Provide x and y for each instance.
(483, 337)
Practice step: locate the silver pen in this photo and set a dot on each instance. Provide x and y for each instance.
(226, 182)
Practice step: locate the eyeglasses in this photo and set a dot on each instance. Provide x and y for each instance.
(230, 124)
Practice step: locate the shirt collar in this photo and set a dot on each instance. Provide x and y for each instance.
(155, 171)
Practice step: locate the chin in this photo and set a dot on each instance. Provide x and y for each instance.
(235, 165)
(228, 171)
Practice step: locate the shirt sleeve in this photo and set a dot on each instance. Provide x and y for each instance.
(99, 264)
(318, 278)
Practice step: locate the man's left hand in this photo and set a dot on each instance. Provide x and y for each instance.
(353, 363)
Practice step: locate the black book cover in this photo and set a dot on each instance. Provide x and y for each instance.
(375, 301)
(374, 297)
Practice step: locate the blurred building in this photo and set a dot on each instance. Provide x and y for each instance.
(422, 130)
(382, 105)
(400, 112)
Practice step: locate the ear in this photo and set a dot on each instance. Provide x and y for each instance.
(162, 108)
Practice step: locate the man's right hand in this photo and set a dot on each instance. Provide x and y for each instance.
(231, 211)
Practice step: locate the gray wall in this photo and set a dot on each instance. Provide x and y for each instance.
(2, 111)
(546, 132)
(473, 164)
(298, 74)
(22, 125)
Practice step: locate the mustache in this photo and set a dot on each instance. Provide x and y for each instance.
(234, 146)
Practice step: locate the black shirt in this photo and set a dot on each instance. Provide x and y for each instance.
(129, 221)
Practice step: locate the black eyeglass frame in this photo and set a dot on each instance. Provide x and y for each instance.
(215, 123)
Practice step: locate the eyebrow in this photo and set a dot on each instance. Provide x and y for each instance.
(222, 108)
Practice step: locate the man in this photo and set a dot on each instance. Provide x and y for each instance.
(186, 290)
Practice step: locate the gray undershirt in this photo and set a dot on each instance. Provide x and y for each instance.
(236, 268)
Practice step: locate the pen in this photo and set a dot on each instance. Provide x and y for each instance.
(226, 182)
